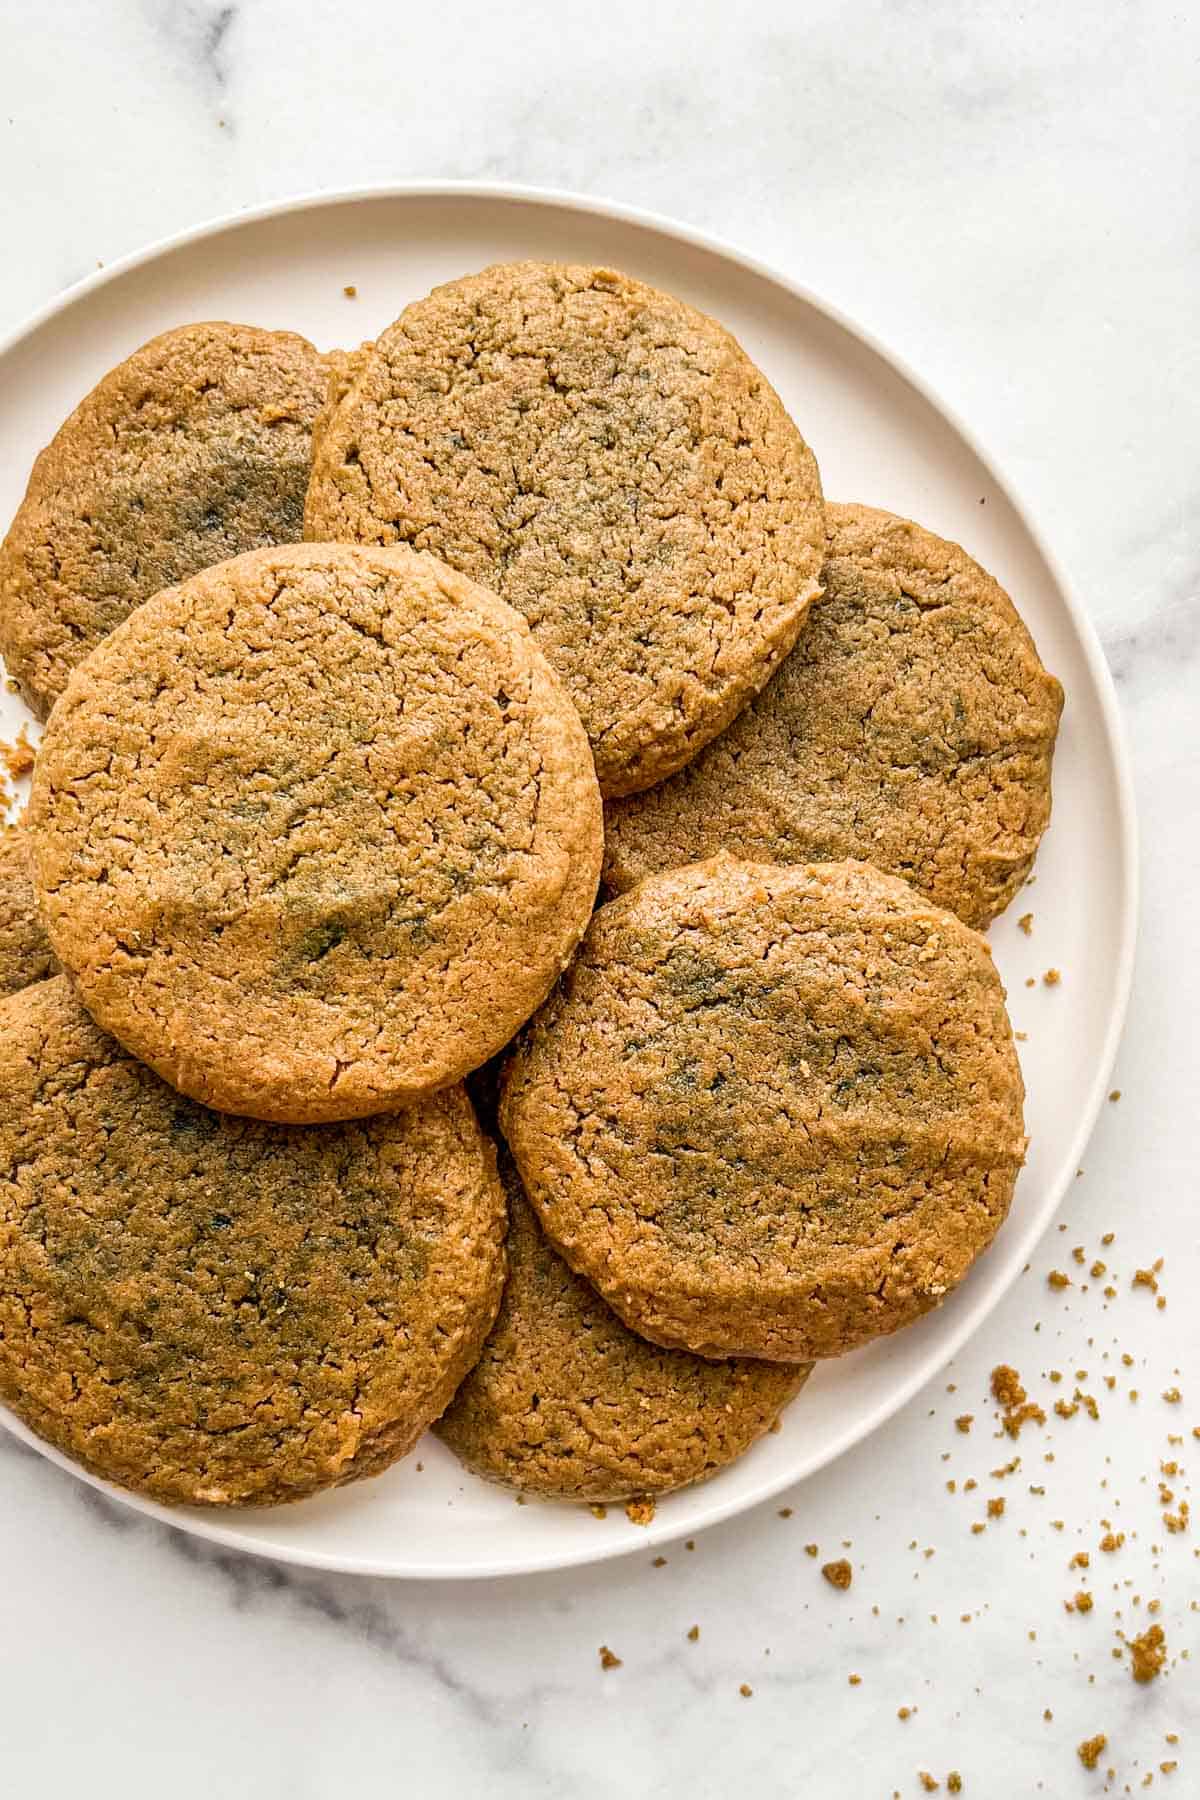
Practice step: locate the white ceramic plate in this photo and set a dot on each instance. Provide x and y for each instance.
(881, 438)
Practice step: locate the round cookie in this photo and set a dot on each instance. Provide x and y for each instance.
(566, 1402)
(912, 726)
(315, 831)
(25, 953)
(194, 449)
(611, 462)
(216, 1312)
(770, 1112)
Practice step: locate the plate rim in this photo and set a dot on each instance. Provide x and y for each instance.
(228, 1536)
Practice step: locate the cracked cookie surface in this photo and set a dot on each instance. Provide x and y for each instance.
(316, 831)
(218, 1312)
(769, 1111)
(25, 953)
(913, 726)
(566, 1401)
(610, 461)
(196, 448)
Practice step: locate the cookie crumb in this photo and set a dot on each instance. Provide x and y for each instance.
(838, 1574)
(1026, 923)
(854, 1680)
(964, 1421)
(954, 1782)
(1148, 1653)
(812, 1549)
(1052, 977)
(1115, 1095)
(607, 1658)
(1018, 1409)
(598, 1510)
(1058, 1279)
(785, 1512)
(350, 291)
(928, 1782)
(745, 1690)
(660, 1562)
(694, 1635)
(641, 1511)
(18, 757)
(1091, 1750)
(996, 1507)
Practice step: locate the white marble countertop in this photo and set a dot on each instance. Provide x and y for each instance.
(1006, 196)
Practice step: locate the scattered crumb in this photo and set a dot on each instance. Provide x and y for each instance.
(1172, 1396)
(905, 1712)
(1147, 1277)
(689, 1544)
(812, 1549)
(854, 1680)
(694, 1634)
(1115, 1095)
(660, 1562)
(607, 1659)
(1112, 1540)
(350, 291)
(745, 1690)
(785, 1512)
(1148, 1653)
(18, 757)
(598, 1510)
(1091, 1750)
(640, 1512)
(1008, 1393)
(1052, 977)
(996, 1507)
(838, 1574)
(928, 1782)
(954, 1782)
(1026, 923)
(1083, 1601)
(965, 1421)
(1057, 1279)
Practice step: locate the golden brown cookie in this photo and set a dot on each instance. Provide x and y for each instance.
(315, 831)
(912, 726)
(194, 449)
(216, 1312)
(566, 1402)
(25, 953)
(611, 462)
(770, 1112)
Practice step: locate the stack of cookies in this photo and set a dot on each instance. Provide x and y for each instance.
(331, 1105)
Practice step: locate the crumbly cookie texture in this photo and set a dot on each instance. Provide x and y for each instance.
(770, 1112)
(611, 462)
(217, 1312)
(193, 450)
(316, 831)
(912, 726)
(565, 1401)
(25, 953)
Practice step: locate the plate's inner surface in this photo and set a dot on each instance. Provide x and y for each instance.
(877, 441)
